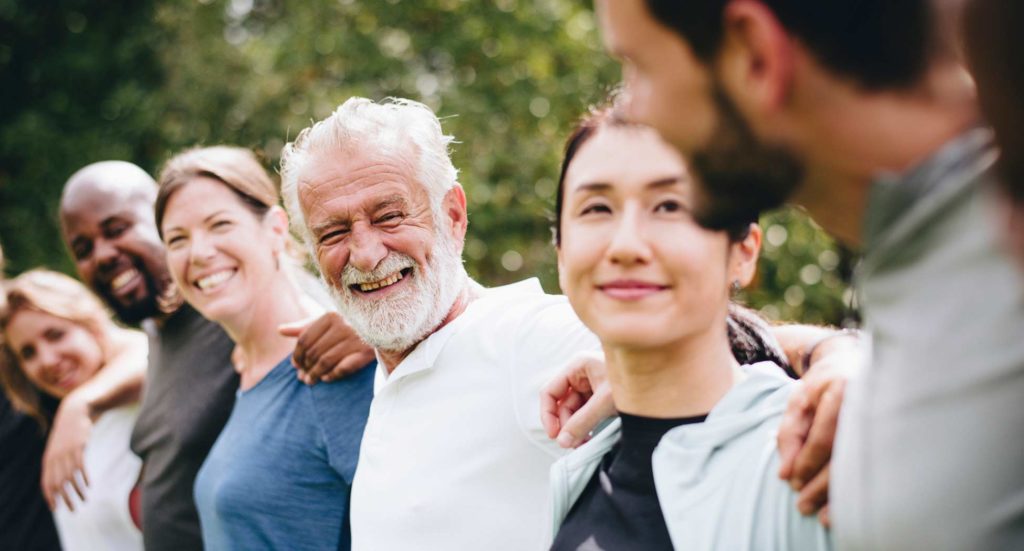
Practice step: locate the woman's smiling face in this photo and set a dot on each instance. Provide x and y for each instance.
(220, 254)
(635, 265)
(57, 355)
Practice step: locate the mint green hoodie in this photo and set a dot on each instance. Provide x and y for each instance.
(717, 481)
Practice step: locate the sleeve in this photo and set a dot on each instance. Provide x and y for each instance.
(546, 339)
(341, 408)
(782, 522)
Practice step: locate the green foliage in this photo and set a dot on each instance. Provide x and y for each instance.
(139, 80)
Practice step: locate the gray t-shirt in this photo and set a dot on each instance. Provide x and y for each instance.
(929, 453)
(190, 390)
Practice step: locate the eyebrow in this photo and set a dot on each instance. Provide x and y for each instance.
(392, 201)
(214, 215)
(597, 187)
(80, 239)
(664, 182)
(333, 222)
(205, 220)
(113, 218)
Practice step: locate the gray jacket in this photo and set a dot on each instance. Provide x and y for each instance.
(717, 481)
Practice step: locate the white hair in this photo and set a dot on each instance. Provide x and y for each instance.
(387, 128)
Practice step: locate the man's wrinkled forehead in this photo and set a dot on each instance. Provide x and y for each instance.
(354, 166)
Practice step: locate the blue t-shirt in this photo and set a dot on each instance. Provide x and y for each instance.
(279, 475)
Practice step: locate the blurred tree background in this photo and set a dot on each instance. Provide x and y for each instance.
(86, 80)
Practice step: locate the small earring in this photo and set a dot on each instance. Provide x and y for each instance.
(735, 287)
(277, 261)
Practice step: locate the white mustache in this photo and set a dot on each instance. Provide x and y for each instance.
(392, 263)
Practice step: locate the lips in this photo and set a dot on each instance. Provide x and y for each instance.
(630, 290)
(125, 282)
(212, 281)
(64, 376)
(68, 380)
(372, 286)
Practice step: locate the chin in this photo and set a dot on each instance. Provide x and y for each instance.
(633, 331)
(634, 338)
(214, 312)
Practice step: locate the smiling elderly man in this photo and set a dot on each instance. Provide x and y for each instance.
(454, 456)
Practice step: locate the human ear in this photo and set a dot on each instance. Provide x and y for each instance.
(454, 208)
(276, 222)
(562, 275)
(277, 218)
(755, 64)
(743, 257)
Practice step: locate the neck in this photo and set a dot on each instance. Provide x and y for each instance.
(471, 290)
(856, 136)
(259, 344)
(683, 379)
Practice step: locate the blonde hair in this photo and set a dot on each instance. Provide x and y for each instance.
(57, 295)
(236, 167)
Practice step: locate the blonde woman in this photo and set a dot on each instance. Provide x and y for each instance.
(56, 336)
(279, 475)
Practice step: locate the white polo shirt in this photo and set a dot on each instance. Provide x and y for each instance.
(454, 456)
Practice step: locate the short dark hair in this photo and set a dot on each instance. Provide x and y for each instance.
(879, 43)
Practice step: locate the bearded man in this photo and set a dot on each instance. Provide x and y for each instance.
(858, 111)
(454, 455)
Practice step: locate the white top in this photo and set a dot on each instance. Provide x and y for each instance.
(103, 520)
(454, 456)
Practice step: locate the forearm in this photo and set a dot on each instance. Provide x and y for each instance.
(805, 345)
(121, 380)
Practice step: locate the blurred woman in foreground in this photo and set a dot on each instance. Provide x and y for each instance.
(692, 462)
(279, 475)
(57, 336)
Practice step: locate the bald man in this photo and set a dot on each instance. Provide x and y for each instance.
(107, 222)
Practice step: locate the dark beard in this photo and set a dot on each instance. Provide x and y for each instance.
(739, 177)
(141, 309)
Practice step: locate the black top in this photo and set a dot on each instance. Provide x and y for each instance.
(190, 390)
(25, 521)
(619, 507)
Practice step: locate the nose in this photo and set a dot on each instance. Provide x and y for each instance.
(105, 253)
(47, 357)
(366, 249)
(629, 244)
(201, 249)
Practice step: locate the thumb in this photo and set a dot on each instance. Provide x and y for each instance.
(578, 427)
(295, 328)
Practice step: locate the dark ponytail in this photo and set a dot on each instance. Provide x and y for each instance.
(751, 339)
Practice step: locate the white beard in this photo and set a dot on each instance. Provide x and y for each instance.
(401, 320)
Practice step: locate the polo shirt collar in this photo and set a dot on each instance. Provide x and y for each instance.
(424, 356)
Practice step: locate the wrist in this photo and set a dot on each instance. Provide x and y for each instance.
(825, 345)
(82, 401)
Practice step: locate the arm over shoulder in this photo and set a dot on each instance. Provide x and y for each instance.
(548, 335)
